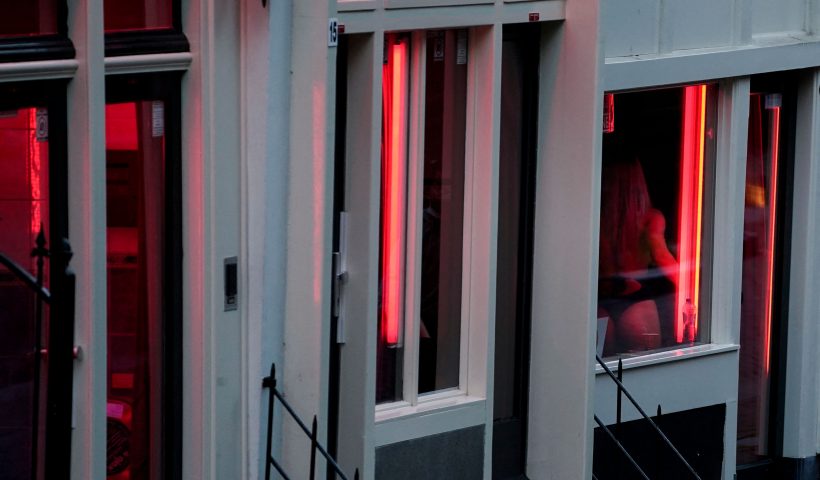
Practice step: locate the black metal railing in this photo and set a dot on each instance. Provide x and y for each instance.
(622, 390)
(41, 295)
(58, 407)
(334, 470)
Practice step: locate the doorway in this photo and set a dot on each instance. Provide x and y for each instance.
(519, 110)
(765, 280)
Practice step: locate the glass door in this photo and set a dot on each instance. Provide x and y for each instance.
(519, 100)
(765, 274)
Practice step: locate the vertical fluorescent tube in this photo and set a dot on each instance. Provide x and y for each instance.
(34, 162)
(394, 198)
(691, 204)
(775, 149)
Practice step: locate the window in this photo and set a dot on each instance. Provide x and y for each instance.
(767, 222)
(658, 160)
(143, 259)
(34, 30)
(138, 15)
(422, 214)
(32, 17)
(143, 26)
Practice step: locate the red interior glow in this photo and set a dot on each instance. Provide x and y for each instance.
(394, 194)
(691, 206)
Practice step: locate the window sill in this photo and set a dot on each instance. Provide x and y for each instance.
(437, 414)
(667, 356)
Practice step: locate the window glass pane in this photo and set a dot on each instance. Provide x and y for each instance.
(655, 185)
(24, 165)
(395, 77)
(442, 209)
(764, 169)
(135, 180)
(27, 17)
(124, 15)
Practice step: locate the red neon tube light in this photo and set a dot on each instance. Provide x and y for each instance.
(691, 212)
(775, 149)
(394, 165)
(35, 165)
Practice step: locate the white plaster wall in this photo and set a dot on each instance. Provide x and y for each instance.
(675, 386)
(645, 27)
(565, 235)
(771, 16)
(631, 27)
(635, 27)
(86, 212)
(309, 209)
(801, 402)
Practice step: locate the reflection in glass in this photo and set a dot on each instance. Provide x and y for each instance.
(28, 17)
(24, 183)
(445, 111)
(135, 179)
(657, 160)
(137, 15)
(759, 251)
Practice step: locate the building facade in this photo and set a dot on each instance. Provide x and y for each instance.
(430, 216)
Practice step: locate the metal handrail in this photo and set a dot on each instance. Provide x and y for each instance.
(269, 382)
(620, 447)
(25, 277)
(646, 417)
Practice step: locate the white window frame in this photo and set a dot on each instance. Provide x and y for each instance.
(480, 217)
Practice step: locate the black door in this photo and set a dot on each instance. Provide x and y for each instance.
(519, 101)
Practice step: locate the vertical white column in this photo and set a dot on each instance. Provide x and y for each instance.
(197, 424)
(566, 247)
(727, 244)
(800, 418)
(363, 179)
(86, 211)
(309, 207)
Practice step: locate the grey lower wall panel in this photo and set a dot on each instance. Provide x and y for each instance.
(452, 455)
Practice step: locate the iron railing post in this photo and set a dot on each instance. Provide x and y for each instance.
(312, 433)
(39, 252)
(313, 443)
(620, 392)
(270, 383)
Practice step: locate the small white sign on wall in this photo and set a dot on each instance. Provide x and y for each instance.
(157, 119)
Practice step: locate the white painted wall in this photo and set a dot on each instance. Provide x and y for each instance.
(646, 27)
(802, 400)
(772, 16)
(86, 213)
(309, 209)
(566, 235)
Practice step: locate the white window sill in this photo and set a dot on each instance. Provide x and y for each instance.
(666, 356)
(439, 413)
